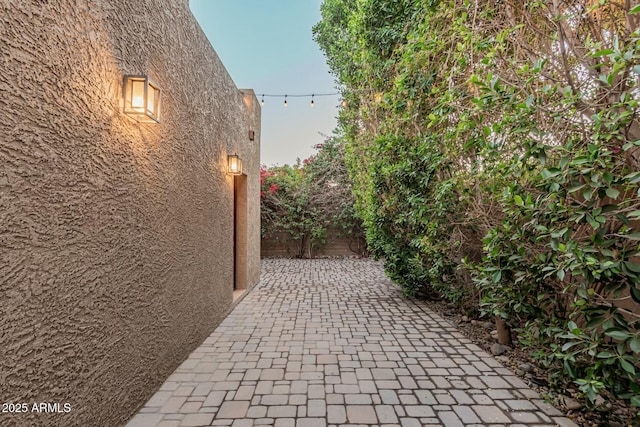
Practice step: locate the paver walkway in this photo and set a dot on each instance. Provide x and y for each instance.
(333, 343)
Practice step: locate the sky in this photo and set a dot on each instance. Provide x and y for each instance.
(267, 46)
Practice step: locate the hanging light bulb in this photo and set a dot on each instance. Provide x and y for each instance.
(285, 101)
(262, 103)
(313, 104)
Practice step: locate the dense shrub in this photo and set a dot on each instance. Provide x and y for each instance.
(494, 152)
(308, 199)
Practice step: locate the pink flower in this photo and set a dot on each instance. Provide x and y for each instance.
(273, 188)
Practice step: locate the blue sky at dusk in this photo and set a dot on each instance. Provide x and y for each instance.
(267, 46)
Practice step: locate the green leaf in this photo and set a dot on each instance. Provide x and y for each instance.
(582, 292)
(497, 275)
(635, 9)
(633, 266)
(563, 162)
(605, 355)
(594, 322)
(605, 78)
(617, 334)
(612, 192)
(608, 324)
(633, 178)
(518, 200)
(580, 160)
(635, 294)
(569, 369)
(588, 193)
(627, 367)
(609, 208)
(603, 53)
(607, 253)
(622, 218)
(568, 345)
(634, 344)
(592, 222)
(529, 101)
(576, 187)
(573, 327)
(559, 233)
(632, 236)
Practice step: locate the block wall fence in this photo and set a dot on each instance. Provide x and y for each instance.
(281, 245)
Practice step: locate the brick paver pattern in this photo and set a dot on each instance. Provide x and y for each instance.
(334, 343)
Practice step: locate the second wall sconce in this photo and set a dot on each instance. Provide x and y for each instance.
(234, 164)
(141, 99)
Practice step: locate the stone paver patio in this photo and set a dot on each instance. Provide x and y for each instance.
(333, 343)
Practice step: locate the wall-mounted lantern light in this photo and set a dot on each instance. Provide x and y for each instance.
(252, 135)
(235, 164)
(141, 99)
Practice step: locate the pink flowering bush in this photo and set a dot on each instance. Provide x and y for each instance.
(308, 198)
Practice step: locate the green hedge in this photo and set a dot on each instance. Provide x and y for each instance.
(493, 148)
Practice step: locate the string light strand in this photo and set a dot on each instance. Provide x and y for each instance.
(262, 96)
(286, 96)
(272, 95)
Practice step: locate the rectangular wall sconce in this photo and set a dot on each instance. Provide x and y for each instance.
(235, 164)
(141, 99)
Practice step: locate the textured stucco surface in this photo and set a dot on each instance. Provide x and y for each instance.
(116, 238)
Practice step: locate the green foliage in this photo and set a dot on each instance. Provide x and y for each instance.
(494, 150)
(407, 193)
(404, 215)
(309, 198)
(564, 252)
(285, 207)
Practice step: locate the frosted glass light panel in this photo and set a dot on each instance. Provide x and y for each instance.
(235, 164)
(141, 99)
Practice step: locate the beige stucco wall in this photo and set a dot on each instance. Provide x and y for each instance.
(115, 237)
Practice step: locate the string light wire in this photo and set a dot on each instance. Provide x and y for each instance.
(378, 97)
(310, 95)
(286, 96)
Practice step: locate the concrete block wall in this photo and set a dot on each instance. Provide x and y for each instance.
(281, 246)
